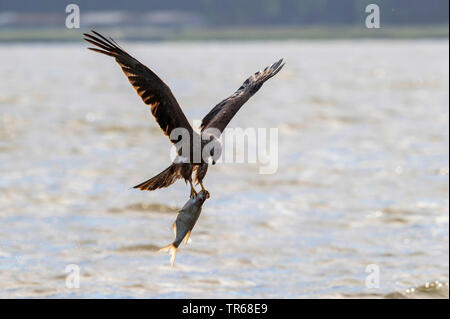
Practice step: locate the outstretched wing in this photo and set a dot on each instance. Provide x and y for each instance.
(222, 113)
(148, 85)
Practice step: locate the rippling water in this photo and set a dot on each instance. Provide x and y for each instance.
(362, 178)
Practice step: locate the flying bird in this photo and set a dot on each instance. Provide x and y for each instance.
(167, 112)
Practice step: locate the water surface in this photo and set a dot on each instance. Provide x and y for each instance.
(362, 177)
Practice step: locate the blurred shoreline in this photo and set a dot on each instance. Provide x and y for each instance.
(53, 34)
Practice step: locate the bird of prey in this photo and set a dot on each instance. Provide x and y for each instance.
(167, 112)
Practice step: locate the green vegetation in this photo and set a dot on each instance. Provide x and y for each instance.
(337, 32)
(231, 33)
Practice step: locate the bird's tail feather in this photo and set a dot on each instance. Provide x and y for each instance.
(164, 179)
(172, 250)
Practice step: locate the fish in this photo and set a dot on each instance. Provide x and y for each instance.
(185, 222)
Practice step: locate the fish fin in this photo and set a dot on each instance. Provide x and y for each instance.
(174, 227)
(186, 238)
(172, 250)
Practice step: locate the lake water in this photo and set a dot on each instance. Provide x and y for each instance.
(362, 179)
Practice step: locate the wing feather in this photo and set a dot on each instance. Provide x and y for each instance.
(222, 113)
(152, 90)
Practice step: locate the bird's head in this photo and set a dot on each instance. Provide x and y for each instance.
(212, 148)
(202, 196)
(211, 157)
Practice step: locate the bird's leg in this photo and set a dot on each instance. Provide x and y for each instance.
(204, 189)
(193, 192)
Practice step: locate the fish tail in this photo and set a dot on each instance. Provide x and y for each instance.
(172, 250)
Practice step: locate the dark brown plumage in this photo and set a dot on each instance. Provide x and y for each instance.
(222, 113)
(167, 111)
(148, 85)
(167, 177)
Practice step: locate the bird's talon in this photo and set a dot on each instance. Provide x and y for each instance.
(193, 192)
(204, 190)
